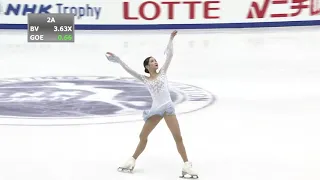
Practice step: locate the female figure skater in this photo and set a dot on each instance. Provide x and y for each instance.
(162, 107)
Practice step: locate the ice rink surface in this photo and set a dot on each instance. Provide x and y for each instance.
(263, 123)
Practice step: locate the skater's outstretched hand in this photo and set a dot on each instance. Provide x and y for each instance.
(173, 34)
(112, 57)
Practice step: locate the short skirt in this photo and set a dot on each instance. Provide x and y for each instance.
(167, 109)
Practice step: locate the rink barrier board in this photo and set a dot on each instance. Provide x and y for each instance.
(178, 26)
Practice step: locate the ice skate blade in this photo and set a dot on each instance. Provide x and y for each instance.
(191, 177)
(125, 170)
(188, 176)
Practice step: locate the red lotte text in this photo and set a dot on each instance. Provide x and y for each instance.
(207, 7)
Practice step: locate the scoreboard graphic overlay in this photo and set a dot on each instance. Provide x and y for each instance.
(51, 27)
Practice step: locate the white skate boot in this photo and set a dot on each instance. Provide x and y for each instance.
(128, 166)
(188, 172)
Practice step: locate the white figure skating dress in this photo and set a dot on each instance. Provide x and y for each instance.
(158, 87)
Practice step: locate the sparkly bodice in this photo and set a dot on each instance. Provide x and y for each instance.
(156, 85)
(158, 88)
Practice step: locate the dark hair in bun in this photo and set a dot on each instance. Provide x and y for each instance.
(146, 63)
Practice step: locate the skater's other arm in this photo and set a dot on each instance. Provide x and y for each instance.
(116, 59)
(169, 52)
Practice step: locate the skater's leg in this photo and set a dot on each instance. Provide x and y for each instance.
(148, 126)
(174, 127)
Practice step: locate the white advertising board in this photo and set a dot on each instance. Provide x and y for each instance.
(166, 14)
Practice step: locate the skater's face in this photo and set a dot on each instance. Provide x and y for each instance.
(153, 64)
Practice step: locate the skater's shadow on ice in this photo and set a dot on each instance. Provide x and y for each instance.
(137, 171)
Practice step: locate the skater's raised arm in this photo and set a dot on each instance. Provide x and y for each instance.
(113, 58)
(169, 52)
